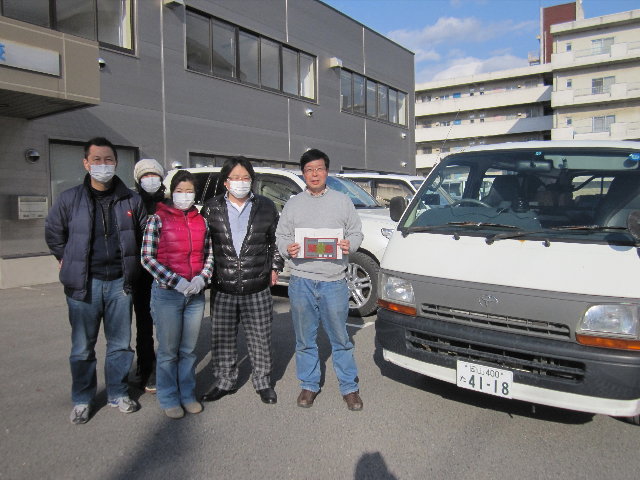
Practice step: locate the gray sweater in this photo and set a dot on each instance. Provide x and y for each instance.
(330, 210)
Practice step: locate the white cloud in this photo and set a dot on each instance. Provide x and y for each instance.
(453, 30)
(463, 67)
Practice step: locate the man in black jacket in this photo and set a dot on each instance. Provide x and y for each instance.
(95, 231)
(246, 264)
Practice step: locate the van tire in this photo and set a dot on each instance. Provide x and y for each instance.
(362, 279)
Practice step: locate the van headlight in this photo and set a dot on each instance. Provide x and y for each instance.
(396, 294)
(610, 326)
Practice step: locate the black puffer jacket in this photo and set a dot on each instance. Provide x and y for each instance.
(69, 231)
(250, 271)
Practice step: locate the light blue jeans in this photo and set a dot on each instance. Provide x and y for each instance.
(177, 319)
(314, 302)
(106, 301)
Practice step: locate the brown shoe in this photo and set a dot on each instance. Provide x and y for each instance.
(354, 402)
(306, 398)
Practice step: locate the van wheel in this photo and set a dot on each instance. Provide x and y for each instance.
(362, 279)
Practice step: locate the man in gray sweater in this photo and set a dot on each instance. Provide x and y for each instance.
(318, 288)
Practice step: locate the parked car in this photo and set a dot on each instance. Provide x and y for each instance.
(384, 186)
(280, 185)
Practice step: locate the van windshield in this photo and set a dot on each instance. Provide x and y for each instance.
(568, 194)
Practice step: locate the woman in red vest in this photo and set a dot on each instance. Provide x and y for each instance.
(177, 251)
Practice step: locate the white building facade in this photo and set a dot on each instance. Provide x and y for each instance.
(590, 90)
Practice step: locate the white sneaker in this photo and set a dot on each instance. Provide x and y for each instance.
(124, 404)
(80, 414)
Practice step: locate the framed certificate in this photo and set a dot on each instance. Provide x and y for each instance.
(319, 243)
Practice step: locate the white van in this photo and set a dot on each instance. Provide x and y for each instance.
(280, 185)
(529, 291)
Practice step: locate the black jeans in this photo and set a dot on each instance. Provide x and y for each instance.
(144, 324)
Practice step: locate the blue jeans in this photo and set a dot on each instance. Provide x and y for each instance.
(177, 319)
(107, 301)
(314, 302)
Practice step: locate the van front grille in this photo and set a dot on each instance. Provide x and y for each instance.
(496, 322)
(534, 364)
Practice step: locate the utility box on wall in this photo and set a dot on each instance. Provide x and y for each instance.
(29, 207)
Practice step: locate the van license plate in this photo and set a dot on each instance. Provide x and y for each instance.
(481, 378)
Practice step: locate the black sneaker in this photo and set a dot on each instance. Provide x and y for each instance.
(150, 385)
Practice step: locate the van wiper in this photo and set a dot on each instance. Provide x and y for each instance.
(592, 228)
(522, 233)
(429, 228)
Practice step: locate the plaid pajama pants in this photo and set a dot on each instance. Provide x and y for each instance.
(255, 313)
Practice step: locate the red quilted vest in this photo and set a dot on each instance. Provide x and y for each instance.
(181, 243)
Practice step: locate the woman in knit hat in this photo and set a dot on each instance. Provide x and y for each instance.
(148, 174)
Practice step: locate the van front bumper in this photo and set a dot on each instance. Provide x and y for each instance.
(560, 374)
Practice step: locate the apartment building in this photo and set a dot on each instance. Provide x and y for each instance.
(589, 90)
(596, 78)
(188, 82)
(505, 106)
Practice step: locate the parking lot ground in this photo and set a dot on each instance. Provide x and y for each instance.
(411, 427)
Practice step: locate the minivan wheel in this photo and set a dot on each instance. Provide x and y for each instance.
(362, 279)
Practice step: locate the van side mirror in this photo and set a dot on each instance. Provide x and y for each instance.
(633, 224)
(397, 206)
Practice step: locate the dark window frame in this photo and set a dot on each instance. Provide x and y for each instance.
(402, 119)
(280, 46)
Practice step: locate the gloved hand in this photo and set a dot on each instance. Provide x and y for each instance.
(195, 286)
(182, 286)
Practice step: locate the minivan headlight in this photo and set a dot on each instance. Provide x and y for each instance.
(610, 326)
(619, 320)
(397, 289)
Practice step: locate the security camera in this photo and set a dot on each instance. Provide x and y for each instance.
(308, 112)
(102, 63)
(176, 164)
(31, 155)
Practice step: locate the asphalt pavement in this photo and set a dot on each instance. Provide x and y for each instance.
(411, 427)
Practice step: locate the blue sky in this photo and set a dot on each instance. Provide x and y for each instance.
(453, 38)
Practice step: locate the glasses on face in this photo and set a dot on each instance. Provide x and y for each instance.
(309, 171)
(239, 179)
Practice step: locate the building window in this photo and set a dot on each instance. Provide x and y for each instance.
(372, 98)
(601, 45)
(225, 50)
(569, 121)
(248, 70)
(358, 94)
(602, 85)
(345, 91)
(457, 122)
(365, 96)
(383, 102)
(269, 64)
(290, 79)
(456, 95)
(393, 106)
(67, 170)
(107, 21)
(603, 123)
(402, 108)
(569, 83)
(568, 47)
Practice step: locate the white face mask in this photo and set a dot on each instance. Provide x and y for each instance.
(102, 173)
(239, 188)
(183, 201)
(150, 184)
